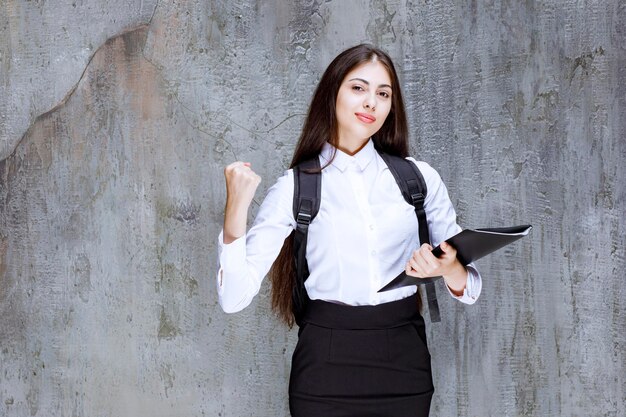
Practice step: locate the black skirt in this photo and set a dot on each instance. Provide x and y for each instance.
(361, 361)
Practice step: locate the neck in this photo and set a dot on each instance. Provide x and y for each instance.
(351, 147)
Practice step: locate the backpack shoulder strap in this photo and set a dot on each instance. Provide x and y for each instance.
(306, 204)
(413, 187)
(307, 191)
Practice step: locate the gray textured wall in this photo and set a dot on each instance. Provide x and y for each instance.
(116, 119)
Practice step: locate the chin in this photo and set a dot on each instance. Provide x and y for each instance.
(371, 133)
(363, 132)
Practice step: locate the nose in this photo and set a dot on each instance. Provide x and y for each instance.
(370, 102)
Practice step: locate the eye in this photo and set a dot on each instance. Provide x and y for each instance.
(385, 94)
(357, 88)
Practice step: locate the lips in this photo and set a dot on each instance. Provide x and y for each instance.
(365, 118)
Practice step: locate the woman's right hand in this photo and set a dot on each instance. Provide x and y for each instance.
(241, 184)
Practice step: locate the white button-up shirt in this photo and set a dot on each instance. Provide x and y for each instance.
(362, 237)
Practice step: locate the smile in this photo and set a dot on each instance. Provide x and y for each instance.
(365, 118)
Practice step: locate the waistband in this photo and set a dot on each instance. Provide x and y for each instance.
(381, 316)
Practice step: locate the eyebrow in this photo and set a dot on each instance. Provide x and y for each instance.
(367, 82)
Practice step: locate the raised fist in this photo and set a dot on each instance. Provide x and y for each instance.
(241, 183)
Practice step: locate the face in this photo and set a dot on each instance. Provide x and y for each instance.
(363, 103)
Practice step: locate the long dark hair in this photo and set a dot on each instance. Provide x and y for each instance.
(320, 126)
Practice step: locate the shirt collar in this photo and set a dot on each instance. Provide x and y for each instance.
(343, 160)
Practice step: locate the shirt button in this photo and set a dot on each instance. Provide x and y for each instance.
(373, 252)
(371, 227)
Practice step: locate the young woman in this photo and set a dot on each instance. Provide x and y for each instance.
(359, 352)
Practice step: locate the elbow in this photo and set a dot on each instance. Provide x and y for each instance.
(235, 295)
(233, 305)
(231, 308)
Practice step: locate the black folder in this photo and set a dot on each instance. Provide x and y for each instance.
(470, 245)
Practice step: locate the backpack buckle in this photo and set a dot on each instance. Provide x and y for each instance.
(303, 218)
(305, 212)
(418, 199)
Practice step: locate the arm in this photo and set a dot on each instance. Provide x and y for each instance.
(245, 258)
(463, 282)
(241, 184)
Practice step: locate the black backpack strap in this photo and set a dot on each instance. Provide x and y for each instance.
(413, 188)
(306, 203)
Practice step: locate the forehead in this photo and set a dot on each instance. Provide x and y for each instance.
(373, 72)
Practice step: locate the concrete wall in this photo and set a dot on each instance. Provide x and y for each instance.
(117, 118)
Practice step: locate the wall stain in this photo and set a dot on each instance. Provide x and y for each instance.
(185, 212)
(584, 63)
(35, 376)
(168, 377)
(545, 106)
(139, 31)
(4, 244)
(381, 28)
(166, 329)
(175, 280)
(81, 271)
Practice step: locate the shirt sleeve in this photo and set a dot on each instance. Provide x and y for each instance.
(244, 262)
(472, 288)
(442, 225)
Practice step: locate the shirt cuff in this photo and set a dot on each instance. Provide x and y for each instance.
(235, 286)
(230, 257)
(473, 286)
